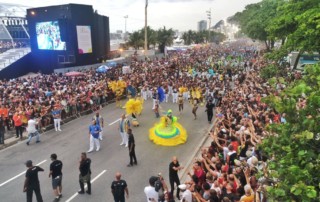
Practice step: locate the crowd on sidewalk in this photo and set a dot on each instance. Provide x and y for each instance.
(232, 168)
(224, 77)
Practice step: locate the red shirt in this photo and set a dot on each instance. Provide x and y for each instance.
(201, 175)
(17, 120)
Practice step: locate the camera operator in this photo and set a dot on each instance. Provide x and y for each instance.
(156, 190)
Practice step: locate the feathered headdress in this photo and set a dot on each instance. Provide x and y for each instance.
(133, 106)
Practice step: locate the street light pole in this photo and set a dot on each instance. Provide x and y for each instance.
(145, 28)
(125, 27)
(209, 18)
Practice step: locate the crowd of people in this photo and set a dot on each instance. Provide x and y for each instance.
(221, 77)
(8, 44)
(228, 169)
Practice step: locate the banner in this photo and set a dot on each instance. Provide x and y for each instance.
(84, 39)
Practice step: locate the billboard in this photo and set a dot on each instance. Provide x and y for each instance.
(84, 39)
(49, 36)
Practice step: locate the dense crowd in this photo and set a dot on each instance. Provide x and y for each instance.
(232, 168)
(224, 75)
(227, 170)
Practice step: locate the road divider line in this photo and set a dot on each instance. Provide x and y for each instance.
(92, 181)
(114, 122)
(15, 177)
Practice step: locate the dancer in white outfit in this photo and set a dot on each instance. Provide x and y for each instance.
(94, 133)
(175, 95)
(99, 120)
(124, 125)
(56, 113)
(144, 93)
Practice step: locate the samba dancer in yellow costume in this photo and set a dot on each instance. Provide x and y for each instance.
(168, 132)
(134, 108)
(118, 88)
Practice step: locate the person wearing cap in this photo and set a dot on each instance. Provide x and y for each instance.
(56, 113)
(94, 133)
(31, 183)
(119, 188)
(186, 193)
(56, 174)
(99, 120)
(32, 131)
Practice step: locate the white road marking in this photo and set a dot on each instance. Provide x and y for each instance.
(114, 122)
(9, 180)
(92, 181)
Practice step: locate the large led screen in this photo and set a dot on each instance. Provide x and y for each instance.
(49, 37)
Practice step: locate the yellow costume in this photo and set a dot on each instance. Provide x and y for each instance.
(168, 132)
(117, 88)
(134, 107)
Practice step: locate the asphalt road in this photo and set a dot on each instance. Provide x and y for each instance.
(74, 139)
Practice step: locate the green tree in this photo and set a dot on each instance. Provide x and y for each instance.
(298, 22)
(254, 19)
(165, 38)
(152, 36)
(295, 146)
(188, 37)
(136, 40)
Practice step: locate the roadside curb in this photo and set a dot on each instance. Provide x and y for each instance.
(3, 146)
(188, 165)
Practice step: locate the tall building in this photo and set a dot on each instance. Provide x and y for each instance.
(202, 25)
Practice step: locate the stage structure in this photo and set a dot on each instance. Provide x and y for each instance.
(67, 35)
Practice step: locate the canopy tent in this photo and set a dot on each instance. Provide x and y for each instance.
(111, 64)
(103, 69)
(74, 73)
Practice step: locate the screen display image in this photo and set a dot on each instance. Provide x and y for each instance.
(49, 37)
(84, 39)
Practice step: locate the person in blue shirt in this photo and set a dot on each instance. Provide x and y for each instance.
(56, 113)
(94, 131)
(99, 120)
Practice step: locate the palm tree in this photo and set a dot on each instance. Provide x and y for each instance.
(165, 38)
(188, 37)
(152, 36)
(136, 39)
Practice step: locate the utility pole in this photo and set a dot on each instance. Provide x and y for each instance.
(209, 18)
(125, 27)
(145, 28)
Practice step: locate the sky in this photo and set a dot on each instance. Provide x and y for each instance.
(177, 14)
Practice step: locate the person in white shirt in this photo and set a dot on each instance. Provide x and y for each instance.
(31, 129)
(151, 194)
(186, 195)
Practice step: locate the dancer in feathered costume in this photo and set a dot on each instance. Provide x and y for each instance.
(168, 132)
(161, 94)
(133, 108)
(118, 88)
(131, 91)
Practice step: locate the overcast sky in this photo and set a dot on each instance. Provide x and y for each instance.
(178, 14)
